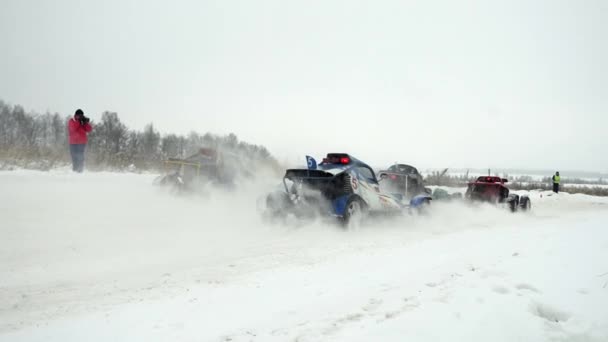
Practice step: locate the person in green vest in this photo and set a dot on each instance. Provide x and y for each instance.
(556, 182)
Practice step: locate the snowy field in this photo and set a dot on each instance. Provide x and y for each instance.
(109, 257)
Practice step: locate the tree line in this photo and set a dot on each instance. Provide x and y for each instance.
(40, 141)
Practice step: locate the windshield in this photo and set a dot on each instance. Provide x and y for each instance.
(401, 168)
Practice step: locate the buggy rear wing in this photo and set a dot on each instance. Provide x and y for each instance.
(176, 161)
(179, 163)
(311, 177)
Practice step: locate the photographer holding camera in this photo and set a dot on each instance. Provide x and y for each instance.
(78, 128)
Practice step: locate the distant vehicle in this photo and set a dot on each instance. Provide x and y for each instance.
(492, 189)
(403, 179)
(207, 166)
(340, 186)
(440, 194)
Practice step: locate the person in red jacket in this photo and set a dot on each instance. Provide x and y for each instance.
(78, 128)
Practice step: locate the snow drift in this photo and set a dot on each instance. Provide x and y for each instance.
(107, 256)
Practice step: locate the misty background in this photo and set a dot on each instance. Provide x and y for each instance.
(434, 83)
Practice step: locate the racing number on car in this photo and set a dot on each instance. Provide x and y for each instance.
(354, 182)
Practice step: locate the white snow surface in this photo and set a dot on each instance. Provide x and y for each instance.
(110, 257)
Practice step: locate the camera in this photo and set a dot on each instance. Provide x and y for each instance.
(84, 120)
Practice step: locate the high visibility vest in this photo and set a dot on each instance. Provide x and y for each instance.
(556, 179)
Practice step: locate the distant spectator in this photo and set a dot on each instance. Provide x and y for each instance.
(556, 180)
(78, 128)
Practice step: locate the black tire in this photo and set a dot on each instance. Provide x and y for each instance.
(513, 203)
(525, 204)
(172, 182)
(278, 204)
(354, 213)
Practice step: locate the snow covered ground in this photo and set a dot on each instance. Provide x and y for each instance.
(109, 257)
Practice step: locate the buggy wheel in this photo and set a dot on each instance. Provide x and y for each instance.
(514, 203)
(353, 214)
(173, 182)
(525, 204)
(513, 206)
(278, 205)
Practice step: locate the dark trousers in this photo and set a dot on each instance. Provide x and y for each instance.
(77, 153)
(556, 187)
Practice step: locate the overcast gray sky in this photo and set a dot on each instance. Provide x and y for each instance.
(519, 84)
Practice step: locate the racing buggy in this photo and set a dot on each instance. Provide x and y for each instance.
(491, 189)
(207, 166)
(341, 186)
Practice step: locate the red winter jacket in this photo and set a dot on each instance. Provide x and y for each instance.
(78, 132)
